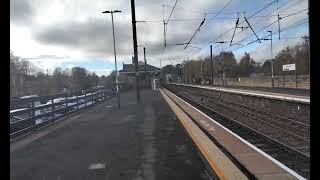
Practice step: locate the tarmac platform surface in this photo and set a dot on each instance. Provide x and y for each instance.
(136, 142)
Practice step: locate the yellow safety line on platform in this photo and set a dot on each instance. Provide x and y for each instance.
(226, 169)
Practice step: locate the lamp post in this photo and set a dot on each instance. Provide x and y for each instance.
(115, 56)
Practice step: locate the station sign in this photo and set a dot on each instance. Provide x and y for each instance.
(288, 67)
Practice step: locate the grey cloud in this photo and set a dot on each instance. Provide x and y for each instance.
(94, 36)
(21, 12)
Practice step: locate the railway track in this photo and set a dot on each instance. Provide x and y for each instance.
(297, 133)
(262, 129)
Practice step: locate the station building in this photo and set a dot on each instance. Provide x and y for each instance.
(149, 74)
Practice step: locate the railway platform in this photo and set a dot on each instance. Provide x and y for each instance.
(282, 96)
(279, 90)
(142, 141)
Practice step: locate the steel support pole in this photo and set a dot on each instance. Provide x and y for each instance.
(309, 35)
(211, 64)
(145, 66)
(296, 78)
(66, 103)
(222, 72)
(33, 113)
(283, 79)
(52, 108)
(115, 61)
(308, 46)
(184, 73)
(135, 48)
(201, 71)
(309, 55)
(279, 25)
(272, 75)
(295, 73)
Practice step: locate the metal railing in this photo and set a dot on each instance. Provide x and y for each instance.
(32, 116)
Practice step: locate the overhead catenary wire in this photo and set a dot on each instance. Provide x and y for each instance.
(264, 37)
(271, 13)
(294, 4)
(269, 16)
(174, 44)
(280, 8)
(282, 39)
(297, 24)
(172, 11)
(192, 19)
(277, 20)
(235, 28)
(202, 53)
(254, 16)
(263, 8)
(165, 26)
(218, 12)
(265, 28)
(294, 13)
(164, 36)
(266, 6)
(198, 29)
(197, 19)
(251, 29)
(200, 12)
(165, 23)
(258, 21)
(206, 11)
(303, 21)
(263, 17)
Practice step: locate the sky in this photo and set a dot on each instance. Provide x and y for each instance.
(69, 33)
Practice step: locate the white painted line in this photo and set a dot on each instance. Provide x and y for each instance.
(97, 166)
(246, 142)
(109, 106)
(253, 93)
